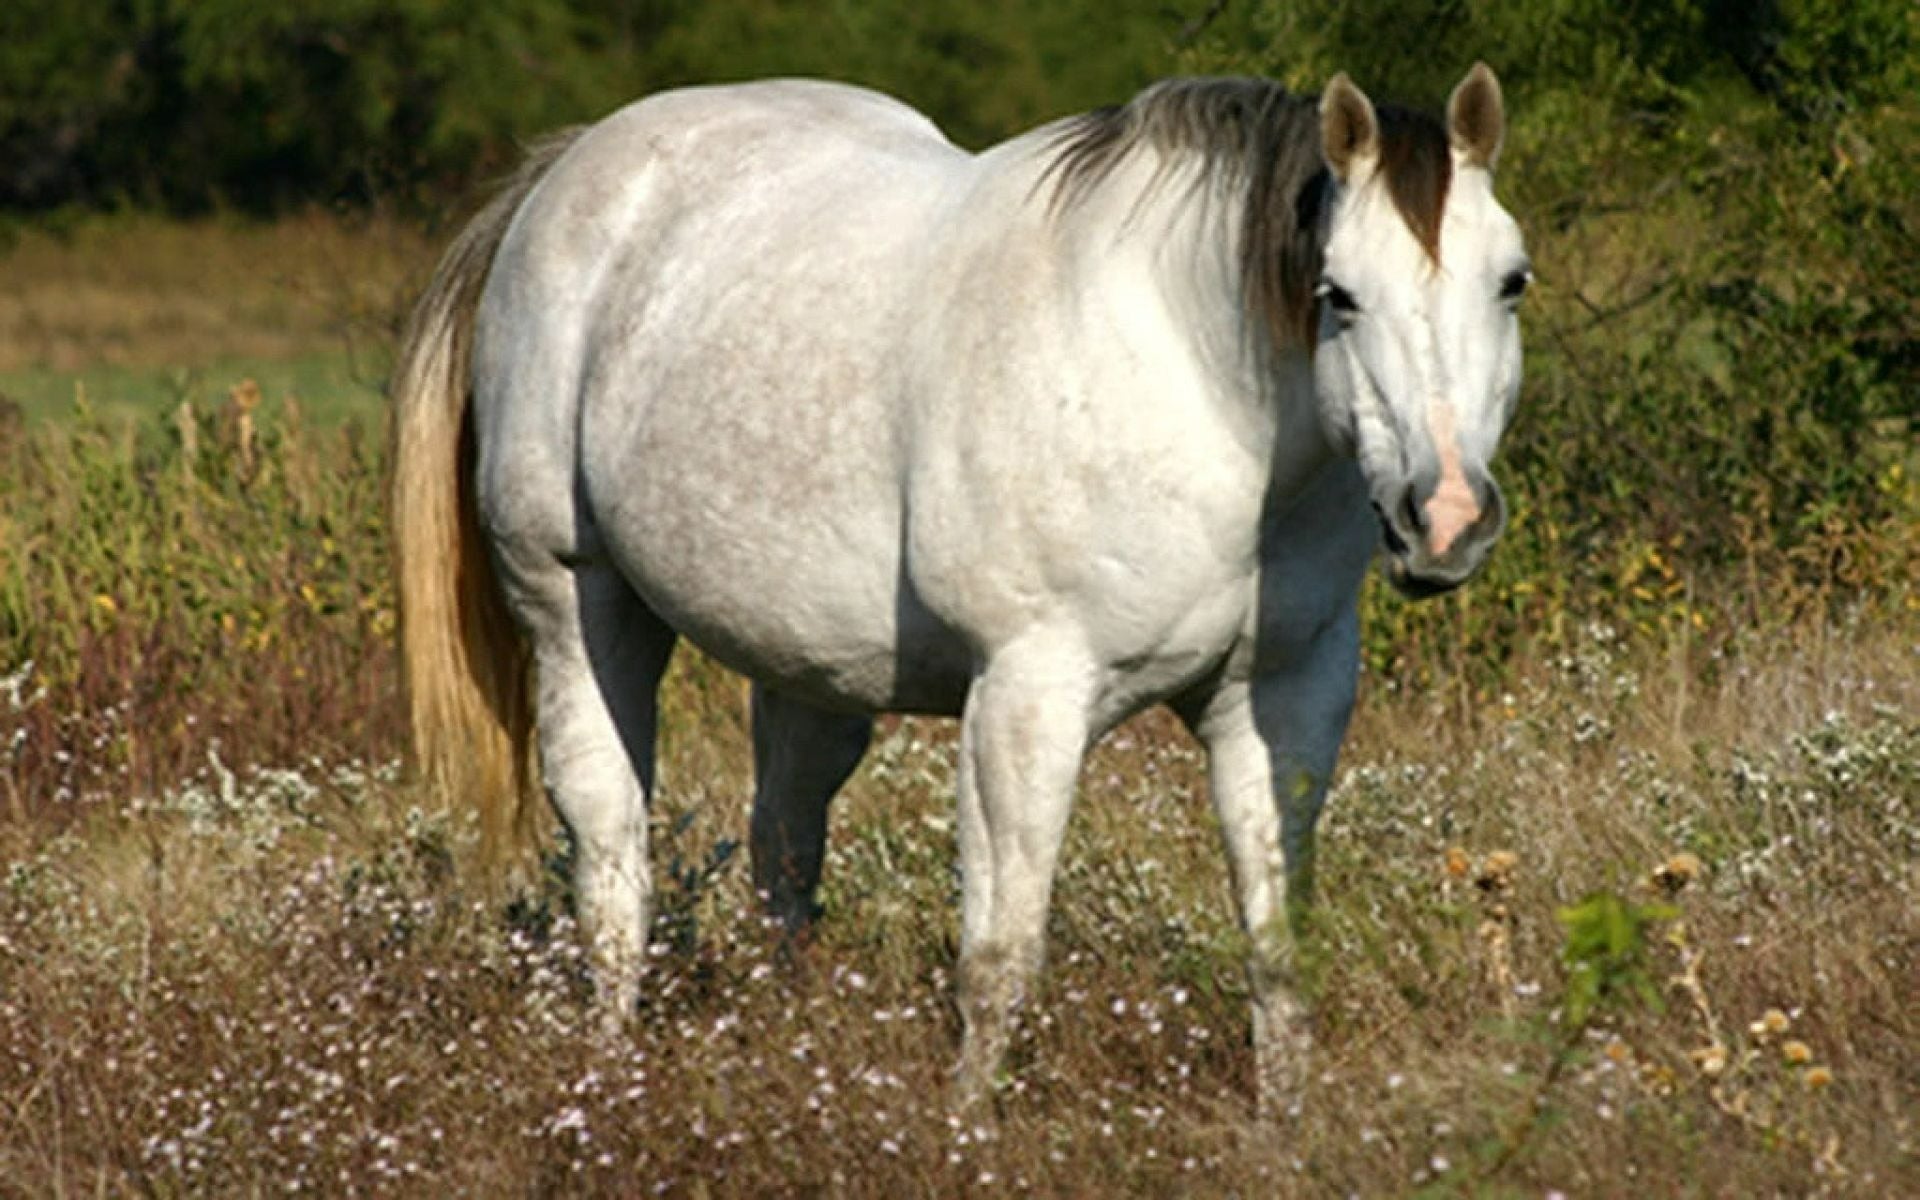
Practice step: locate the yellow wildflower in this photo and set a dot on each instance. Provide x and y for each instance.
(1772, 1023)
(1710, 1059)
(1496, 870)
(1678, 871)
(1796, 1052)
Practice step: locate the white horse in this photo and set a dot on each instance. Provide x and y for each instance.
(1113, 414)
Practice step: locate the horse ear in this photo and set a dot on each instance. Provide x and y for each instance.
(1349, 131)
(1477, 117)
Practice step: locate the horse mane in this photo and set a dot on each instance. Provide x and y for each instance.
(1255, 133)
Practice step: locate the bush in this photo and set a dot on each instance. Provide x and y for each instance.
(186, 103)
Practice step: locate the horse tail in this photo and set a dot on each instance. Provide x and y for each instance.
(466, 670)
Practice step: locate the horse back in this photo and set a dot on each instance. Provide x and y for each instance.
(688, 362)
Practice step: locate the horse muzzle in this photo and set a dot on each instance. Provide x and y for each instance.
(1436, 541)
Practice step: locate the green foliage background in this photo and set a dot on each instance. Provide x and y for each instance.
(189, 103)
(1723, 200)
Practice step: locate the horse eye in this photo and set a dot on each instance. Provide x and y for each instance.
(1515, 284)
(1337, 298)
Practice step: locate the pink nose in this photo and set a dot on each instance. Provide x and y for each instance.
(1450, 511)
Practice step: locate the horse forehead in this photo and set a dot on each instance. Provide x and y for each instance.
(1474, 225)
(1369, 233)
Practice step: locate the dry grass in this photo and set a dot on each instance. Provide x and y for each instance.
(212, 582)
(142, 291)
(130, 314)
(285, 981)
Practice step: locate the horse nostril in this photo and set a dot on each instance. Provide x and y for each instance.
(1409, 515)
(1395, 544)
(1493, 509)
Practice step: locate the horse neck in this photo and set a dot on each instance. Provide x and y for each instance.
(1182, 230)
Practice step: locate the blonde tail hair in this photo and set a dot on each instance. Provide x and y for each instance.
(465, 666)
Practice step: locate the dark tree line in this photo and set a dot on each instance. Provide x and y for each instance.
(186, 103)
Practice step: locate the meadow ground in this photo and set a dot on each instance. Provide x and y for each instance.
(1632, 914)
(135, 311)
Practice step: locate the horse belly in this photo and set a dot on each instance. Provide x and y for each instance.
(746, 480)
(782, 576)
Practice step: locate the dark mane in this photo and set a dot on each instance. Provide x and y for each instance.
(1418, 164)
(1265, 139)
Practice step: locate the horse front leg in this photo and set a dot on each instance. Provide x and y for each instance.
(1022, 736)
(1272, 743)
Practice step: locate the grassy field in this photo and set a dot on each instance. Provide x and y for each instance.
(1631, 913)
(134, 312)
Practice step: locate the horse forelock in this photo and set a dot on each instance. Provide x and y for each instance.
(1417, 164)
(1256, 133)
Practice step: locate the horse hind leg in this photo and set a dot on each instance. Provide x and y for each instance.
(801, 757)
(599, 654)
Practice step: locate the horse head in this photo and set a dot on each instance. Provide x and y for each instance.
(1417, 363)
